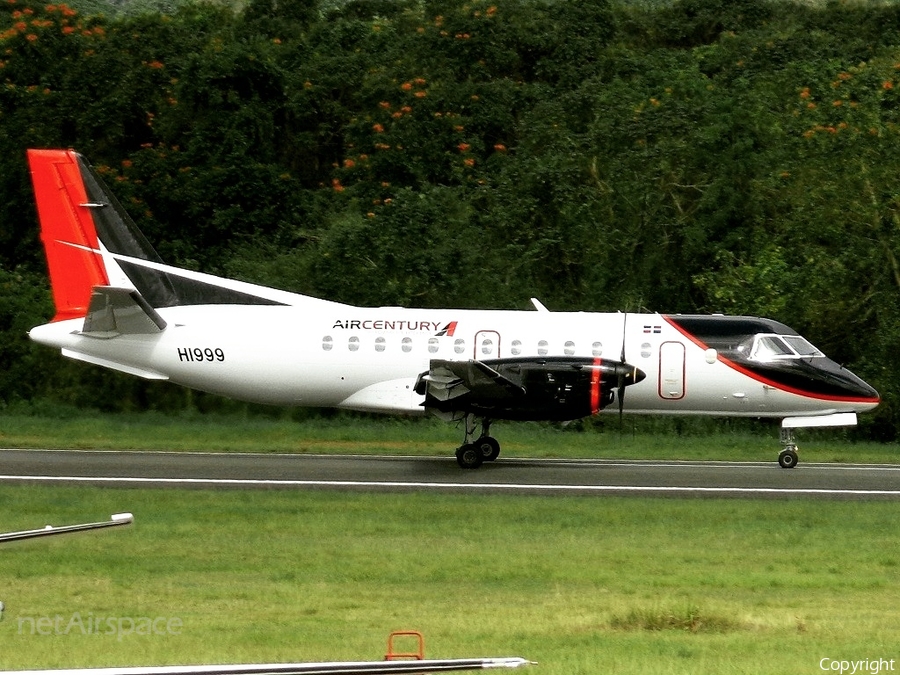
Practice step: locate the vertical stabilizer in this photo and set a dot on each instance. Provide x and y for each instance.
(67, 231)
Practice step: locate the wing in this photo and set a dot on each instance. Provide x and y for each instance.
(336, 668)
(115, 520)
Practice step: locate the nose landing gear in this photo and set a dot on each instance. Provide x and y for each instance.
(787, 458)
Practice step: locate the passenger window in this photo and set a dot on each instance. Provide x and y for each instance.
(353, 344)
(379, 344)
(597, 349)
(542, 348)
(516, 347)
(327, 343)
(433, 345)
(459, 346)
(406, 344)
(569, 348)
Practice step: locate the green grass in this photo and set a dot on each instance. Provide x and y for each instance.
(582, 585)
(639, 438)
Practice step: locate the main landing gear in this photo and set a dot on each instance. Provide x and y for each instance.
(472, 453)
(787, 458)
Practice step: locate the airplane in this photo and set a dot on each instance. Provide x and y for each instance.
(119, 306)
(115, 520)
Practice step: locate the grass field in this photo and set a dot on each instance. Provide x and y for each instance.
(582, 585)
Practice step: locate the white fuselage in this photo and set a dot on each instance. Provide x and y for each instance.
(323, 354)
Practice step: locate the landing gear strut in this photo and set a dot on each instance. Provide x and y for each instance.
(472, 453)
(788, 457)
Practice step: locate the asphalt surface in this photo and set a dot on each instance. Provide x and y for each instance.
(509, 476)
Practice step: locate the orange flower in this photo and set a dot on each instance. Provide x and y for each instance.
(420, 81)
(888, 85)
(804, 93)
(385, 105)
(469, 162)
(838, 103)
(463, 147)
(378, 128)
(406, 86)
(499, 147)
(349, 163)
(421, 94)
(31, 37)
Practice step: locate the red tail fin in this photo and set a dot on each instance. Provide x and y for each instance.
(67, 231)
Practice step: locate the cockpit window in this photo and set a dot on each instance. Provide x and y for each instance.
(768, 347)
(802, 346)
(771, 347)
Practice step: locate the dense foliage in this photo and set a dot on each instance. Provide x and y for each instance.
(706, 155)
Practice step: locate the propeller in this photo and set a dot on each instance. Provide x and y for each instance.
(620, 393)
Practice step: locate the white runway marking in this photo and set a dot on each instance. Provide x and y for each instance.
(414, 485)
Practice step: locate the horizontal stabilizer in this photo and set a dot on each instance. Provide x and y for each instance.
(120, 311)
(126, 368)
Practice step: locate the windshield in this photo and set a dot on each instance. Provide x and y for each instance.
(771, 347)
(802, 346)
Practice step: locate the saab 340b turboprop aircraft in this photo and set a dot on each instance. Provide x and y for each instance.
(119, 306)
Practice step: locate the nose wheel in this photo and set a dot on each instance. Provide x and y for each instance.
(473, 453)
(787, 458)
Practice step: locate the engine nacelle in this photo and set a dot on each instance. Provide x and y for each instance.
(551, 388)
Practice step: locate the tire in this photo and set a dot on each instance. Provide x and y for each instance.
(490, 448)
(787, 459)
(469, 456)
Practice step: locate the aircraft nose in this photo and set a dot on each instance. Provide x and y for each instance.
(854, 388)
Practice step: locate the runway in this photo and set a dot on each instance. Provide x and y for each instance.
(408, 474)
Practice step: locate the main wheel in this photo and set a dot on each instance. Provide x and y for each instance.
(787, 458)
(469, 456)
(489, 447)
